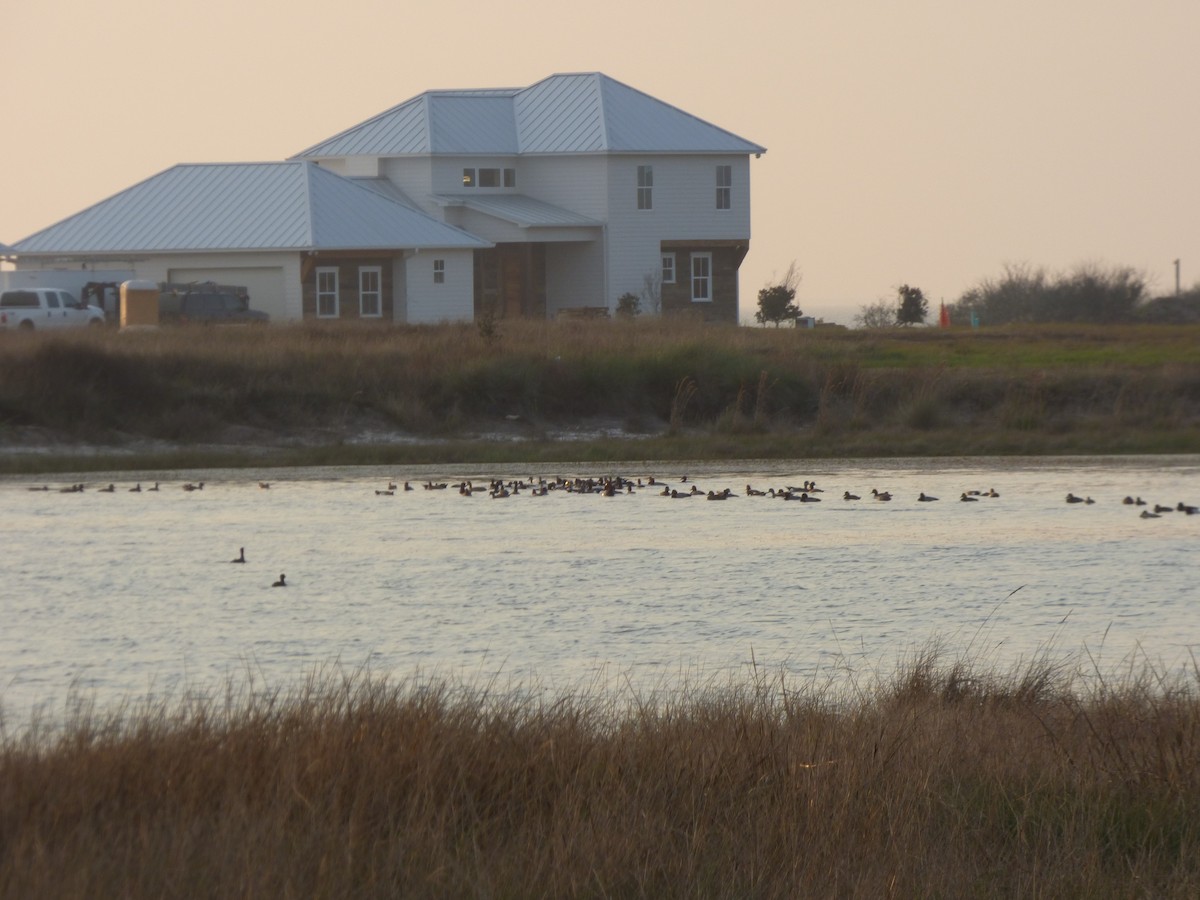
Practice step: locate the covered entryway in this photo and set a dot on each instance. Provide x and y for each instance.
(510, 281)
(264, 284)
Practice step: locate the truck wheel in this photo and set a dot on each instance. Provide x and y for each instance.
(95, 323)
(26, 326)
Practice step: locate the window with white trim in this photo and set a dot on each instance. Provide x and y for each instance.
(327, 293)
(668, 268)
(370, 292)
(701, 277)
(645, 187)
(724, 187)
(439, 271)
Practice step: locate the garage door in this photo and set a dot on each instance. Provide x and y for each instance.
(264, 284)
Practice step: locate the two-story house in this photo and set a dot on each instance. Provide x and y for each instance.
(512, 202)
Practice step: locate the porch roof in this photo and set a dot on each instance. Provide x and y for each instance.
(520, 210)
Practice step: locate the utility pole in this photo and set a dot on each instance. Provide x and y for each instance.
(1176, 278)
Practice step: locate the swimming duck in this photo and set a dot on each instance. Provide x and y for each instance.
(264, 485)
(108, 490)
(754, 492)
(967, 498)
(1184, 508)
(805, 498)
(925, 498)
(991, 493)
(849, 496)
(155, 488)
(136, 489)
(1071, 498)
(1159, 508)
(379, 493)
(241, 556)
(1146, 514)
(282, 582)
(880, 495)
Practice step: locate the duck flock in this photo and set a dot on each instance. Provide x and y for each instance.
(612, 486)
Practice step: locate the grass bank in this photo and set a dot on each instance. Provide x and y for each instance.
(938, 780)
(562, 391)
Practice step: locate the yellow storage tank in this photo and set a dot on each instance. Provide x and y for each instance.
(139, 304)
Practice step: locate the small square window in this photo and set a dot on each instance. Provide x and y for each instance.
(489, 178)
(468, 178)
(439, 271)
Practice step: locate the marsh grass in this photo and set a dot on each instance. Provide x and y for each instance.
(939, 779)
(1046, 389)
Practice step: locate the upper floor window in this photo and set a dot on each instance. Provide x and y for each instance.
(645, 187)
(724, 186)
(489, 178)
(439, 271)
(668, 268)
(327, 293)
(370, 292)
(701, 277)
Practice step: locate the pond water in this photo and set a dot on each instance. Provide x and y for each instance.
(123, 595)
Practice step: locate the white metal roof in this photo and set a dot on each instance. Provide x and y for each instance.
(520, 210)
(245, 206)
(568, 113)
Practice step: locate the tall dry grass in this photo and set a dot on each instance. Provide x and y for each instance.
(1047, 389)
(937, 780)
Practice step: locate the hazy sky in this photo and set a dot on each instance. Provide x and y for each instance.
(930, 142)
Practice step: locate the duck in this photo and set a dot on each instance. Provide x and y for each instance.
(754, 492)
(991, 493)
(241, 556)
(264, 485)
(967, 498)
(925, 498)
(881, 495)
(379, 493)
(282, 582)
(1071, 498)
(849, 496)
(1146, 514)
(136, 489)
(1159, 508)
(391, 486)
(1184, 508)
(155, 488)
(108, 490)
(805, 498)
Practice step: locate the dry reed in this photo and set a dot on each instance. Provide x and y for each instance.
(938, 780)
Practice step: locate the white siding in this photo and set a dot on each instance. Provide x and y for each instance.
(361, 167)
(414, 176)
(451, 301)
(577, 183)
(684, 208)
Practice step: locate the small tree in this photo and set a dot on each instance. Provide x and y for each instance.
(880, 314)
(913, 306)
(629, 305)
(775, 300)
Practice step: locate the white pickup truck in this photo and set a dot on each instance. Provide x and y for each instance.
(40, 307)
